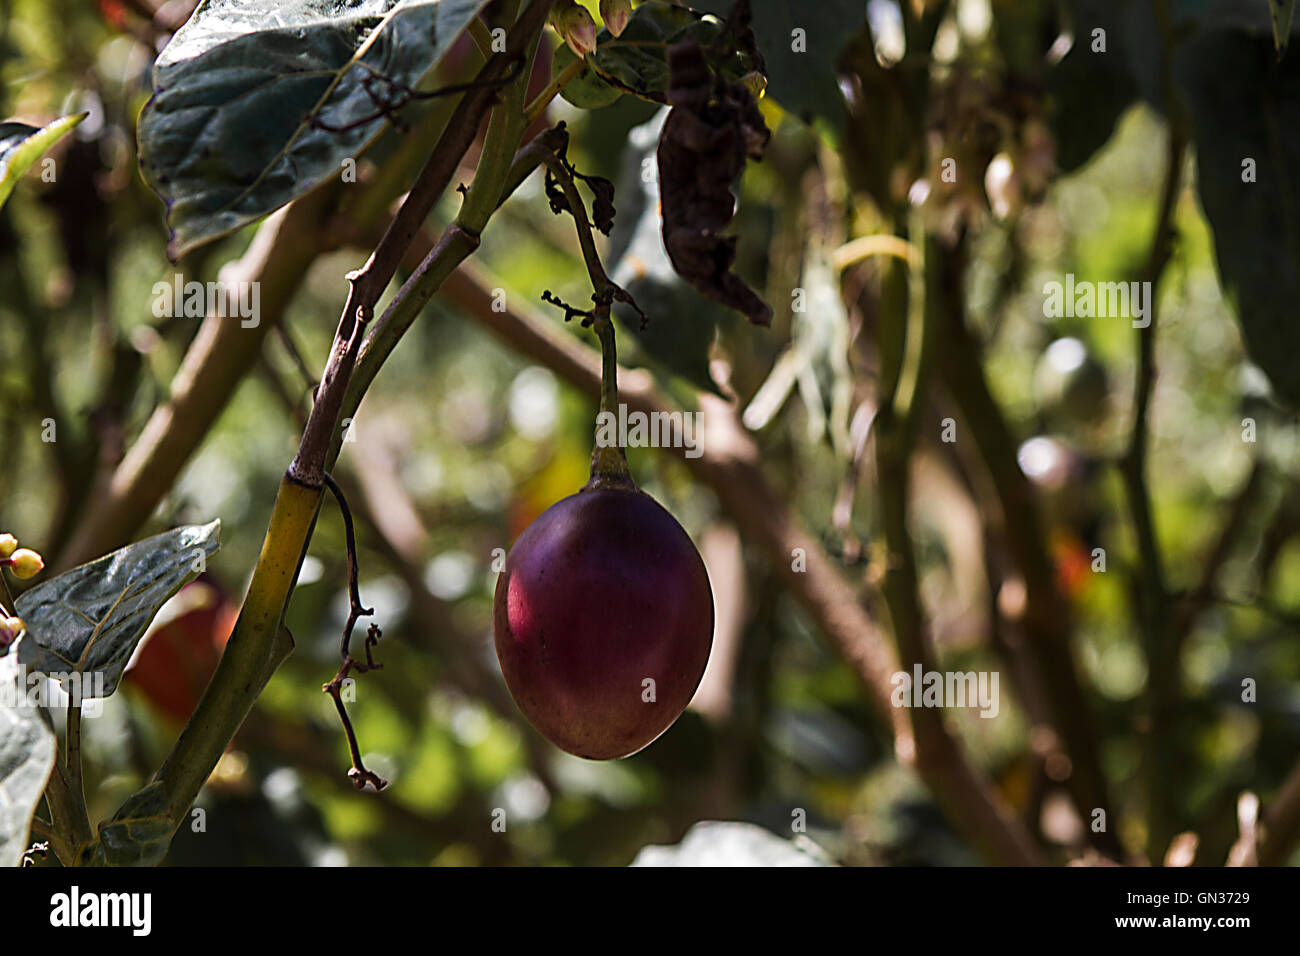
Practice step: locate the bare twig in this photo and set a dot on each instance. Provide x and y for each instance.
(1160, 640)
(359, 775)
(1012, 510)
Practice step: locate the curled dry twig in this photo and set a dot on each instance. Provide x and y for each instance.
(359, 775)
(562, 191)
(389, 96)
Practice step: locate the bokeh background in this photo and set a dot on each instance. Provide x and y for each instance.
(463, 440)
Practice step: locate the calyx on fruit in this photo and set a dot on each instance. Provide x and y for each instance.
(604, 612)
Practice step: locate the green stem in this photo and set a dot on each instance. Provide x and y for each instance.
(456, 243)
(76, 786)
(608, 462)
(7, 603)
(537, 107)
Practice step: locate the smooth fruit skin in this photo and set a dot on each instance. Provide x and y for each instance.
(602, 592)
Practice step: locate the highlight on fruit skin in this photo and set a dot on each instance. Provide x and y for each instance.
(603, 621)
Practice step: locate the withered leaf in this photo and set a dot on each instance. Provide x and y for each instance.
(713, 128)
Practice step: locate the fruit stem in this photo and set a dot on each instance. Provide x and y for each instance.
(608, 461)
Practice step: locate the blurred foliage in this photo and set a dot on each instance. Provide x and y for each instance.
(481, 441)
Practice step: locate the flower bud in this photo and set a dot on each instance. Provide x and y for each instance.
(576, 26)
(615, 13)
(10, 628)
(8, 544)
(26, 563)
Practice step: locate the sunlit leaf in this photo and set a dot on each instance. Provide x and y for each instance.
(26, 759)
(245, 91)
(21, 145)
(87, 621)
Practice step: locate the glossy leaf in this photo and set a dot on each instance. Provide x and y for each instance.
(139, 834)
(21, 145)
(244, 92)
(88, 620)
(26, 759)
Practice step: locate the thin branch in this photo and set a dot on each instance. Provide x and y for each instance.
(1193, 604)
(537, 108)
(1162, 646)
(455, 244)
(389, 96)
(1012, 508)
(1281, 825)
(367, 284)
(72, 760)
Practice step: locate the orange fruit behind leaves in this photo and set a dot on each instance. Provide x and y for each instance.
(176, 658)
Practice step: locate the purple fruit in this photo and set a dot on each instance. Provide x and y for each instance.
(604, 621)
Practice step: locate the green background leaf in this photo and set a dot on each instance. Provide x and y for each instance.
(89, 619)
(804, 83)
(1243, 105)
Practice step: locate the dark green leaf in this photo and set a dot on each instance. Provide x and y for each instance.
(636, 61)
(88, 620)
(26, 759)
(587, 90)
(137, 835)
(801, 66)
(233, 130)
(1243, 106)
(1089, 90)
(21, 145)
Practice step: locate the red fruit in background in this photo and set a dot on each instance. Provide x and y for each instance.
(602, 593)
(173, 663)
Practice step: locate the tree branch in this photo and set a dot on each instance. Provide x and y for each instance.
(1014, 515)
